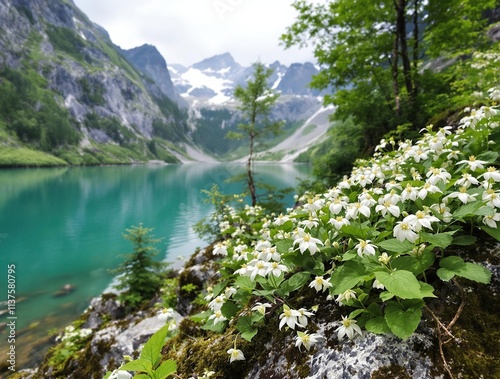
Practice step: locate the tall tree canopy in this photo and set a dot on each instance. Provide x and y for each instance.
(375, 54)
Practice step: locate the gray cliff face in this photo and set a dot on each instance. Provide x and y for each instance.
(148, 60)
(84, 69)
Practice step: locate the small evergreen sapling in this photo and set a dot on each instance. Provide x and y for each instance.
(140, 273)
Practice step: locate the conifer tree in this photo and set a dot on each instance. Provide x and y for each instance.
(140, 273)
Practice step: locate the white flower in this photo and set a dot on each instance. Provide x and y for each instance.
(220, 249)
(217, 317)
(120, 374)
(302, 319)
(166, 314)
(473, 163)
(435, 175)
(354, 209)
(307, 340)
(320, 284)
(466, 180)
(348, 327)
(409, 193)
(257, 267)
(308, 243)
(492, 198)
(314, 205)
(403, 231)
(420, 219)
(377, 285)
(261, 308)
(276, 268)
(289, 317)
(217, 303)
(462, 195)
(491, 220)
(427, 188)
(387, 206)
(281, 219)
(346, 296)
(443, 210)
(235, 355)
(337, 205)
(229, 291)
(365, 247)
(338, 222)
(491, 174)
(384, 258)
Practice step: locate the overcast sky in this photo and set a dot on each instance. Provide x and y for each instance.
(189, 31)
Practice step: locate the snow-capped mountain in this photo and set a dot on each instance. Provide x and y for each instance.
(213, 80)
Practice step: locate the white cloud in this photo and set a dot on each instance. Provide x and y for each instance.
(189, 31)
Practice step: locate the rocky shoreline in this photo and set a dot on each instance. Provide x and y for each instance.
(114, 333)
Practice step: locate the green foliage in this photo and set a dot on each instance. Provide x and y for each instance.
(255, 103)
(68, 41)
(149, 363)
(21, 157)
(373, 242)
(176, 128)
(31, 112)
(92, 92)
(140, 275)
(111, 126)
(334, 157)
(378, 58)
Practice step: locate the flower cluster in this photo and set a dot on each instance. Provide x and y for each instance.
(72, 336)
(367, 242)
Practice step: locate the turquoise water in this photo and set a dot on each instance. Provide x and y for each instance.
(64, 225)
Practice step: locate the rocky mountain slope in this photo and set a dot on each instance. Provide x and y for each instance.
(209, 86)
(54, 60)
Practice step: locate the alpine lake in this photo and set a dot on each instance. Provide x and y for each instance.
(61, 233)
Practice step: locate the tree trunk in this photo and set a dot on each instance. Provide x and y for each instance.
(415, 49)
(394, 69)
(401, 31)
(251, 184)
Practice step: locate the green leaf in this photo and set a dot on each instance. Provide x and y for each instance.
(249, 335)
(141, 365)
(199, 317)
(386, 295)
(426, 290)
(166, 369)
(152, 348)
(229, 309)
(494, 232)
(401, 283)
(244, 282)
(219, 288)
(485, 211)
(442, 240)
(395, 246)
(295, 282)
(402, 323)
(464, 240)
(356, 313)
(377, 325)
(489, 156)
(475, 272)
(346, 277)
(468, 209)
(453, 265)
(217, 328)
(354, 231)
(282, 246)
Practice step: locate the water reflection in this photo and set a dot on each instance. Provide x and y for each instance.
(64, 225)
